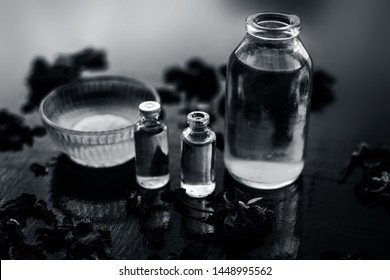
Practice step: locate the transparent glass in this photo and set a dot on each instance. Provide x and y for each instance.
(198, 156)
(268, 92)
(92, 119)
(151, 151)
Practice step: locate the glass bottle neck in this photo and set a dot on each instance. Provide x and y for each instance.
(150, 120)
(198, 135)
(198, 129)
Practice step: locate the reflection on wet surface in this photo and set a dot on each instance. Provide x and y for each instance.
(373, 188)
(201, 223)
(95, 193)
(287, 205)
(153, 211)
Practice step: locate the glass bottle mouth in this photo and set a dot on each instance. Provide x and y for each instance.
(273, 26)
(198, 119)
(149, 109)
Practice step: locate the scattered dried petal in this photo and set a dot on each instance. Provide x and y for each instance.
(197, 81)
(14, 133)
(44, 77)
(39, 169)
(373, 187)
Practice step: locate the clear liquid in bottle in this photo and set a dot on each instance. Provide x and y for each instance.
(268, 86)
(151, 148)
(198, 156)
(266, 124)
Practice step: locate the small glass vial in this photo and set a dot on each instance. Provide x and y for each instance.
(198, 156)
(151, 147)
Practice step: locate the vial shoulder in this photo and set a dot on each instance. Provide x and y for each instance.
(198, 138)
(154, 128)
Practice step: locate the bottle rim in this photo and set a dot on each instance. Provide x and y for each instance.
(149, 108)
(198, 119)
(273, 26)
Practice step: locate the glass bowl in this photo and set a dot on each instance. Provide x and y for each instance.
(92, 119)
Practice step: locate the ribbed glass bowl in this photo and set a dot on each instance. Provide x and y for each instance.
(92, 119)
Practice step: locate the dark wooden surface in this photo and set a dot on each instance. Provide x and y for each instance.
(313, 216)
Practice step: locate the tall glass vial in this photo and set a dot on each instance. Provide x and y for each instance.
(268, 92)
(151, 147)
(198, 156)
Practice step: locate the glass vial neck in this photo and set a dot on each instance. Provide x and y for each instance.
(150, 113)
(149, 119)
(198, 121)
(273, 26)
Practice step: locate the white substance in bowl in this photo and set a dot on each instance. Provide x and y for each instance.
(102, 122)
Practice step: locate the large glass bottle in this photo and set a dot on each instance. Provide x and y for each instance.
(268, 92)
(198, 156)
(151, 147)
